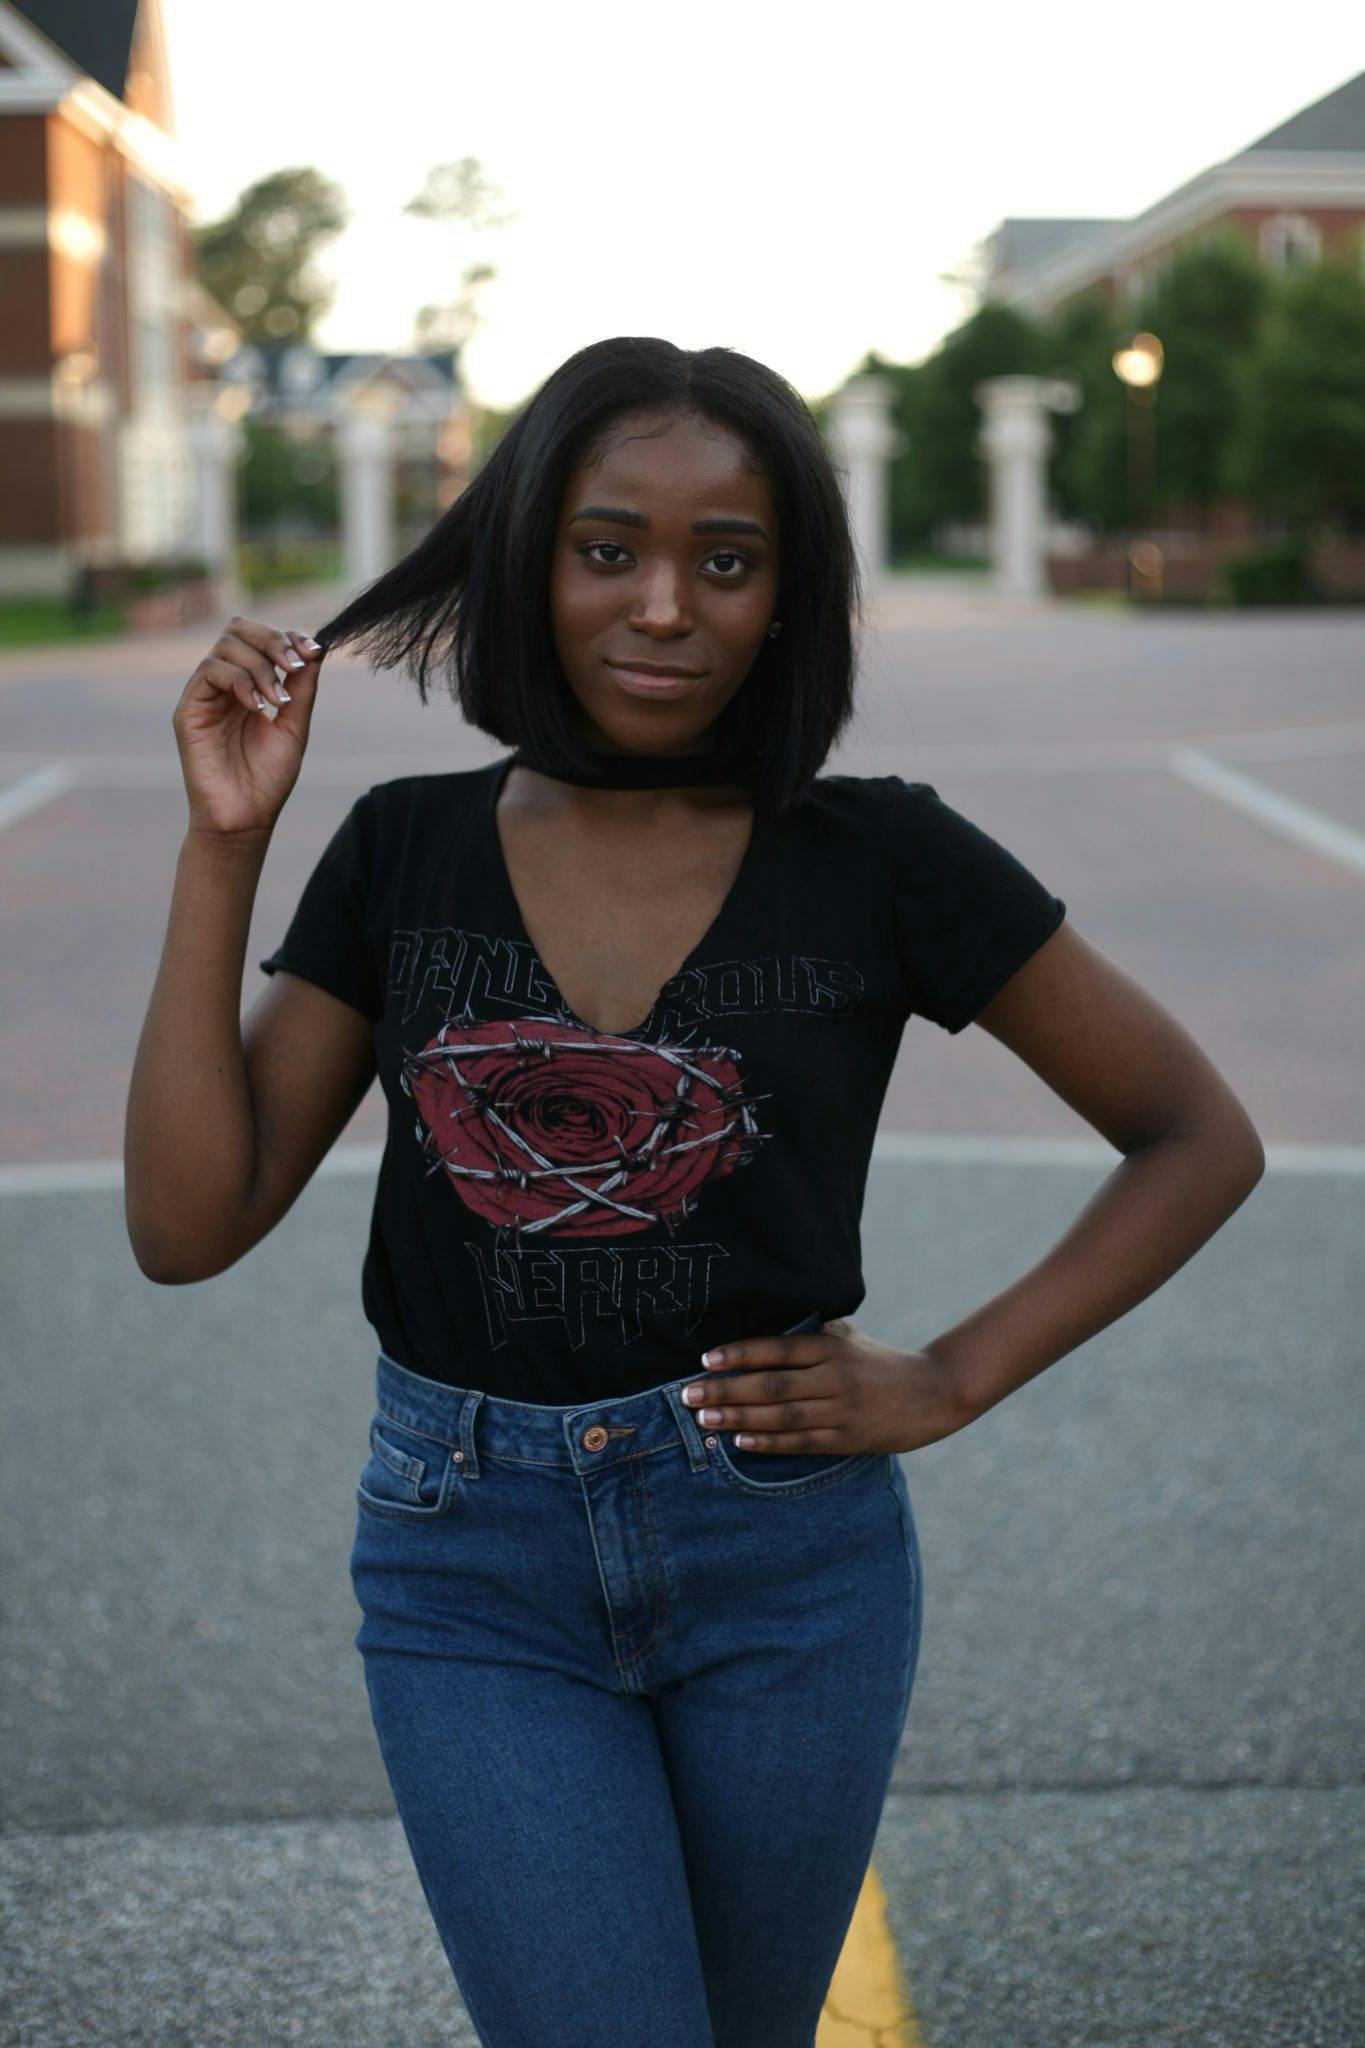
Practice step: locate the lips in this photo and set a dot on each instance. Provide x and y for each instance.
(648, 668)
(645, 683)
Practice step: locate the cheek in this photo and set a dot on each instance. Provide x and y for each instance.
(742, 620)
(579, 605)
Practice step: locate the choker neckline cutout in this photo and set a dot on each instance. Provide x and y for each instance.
(610, 770)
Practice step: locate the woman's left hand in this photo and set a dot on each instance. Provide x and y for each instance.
(834, 1389)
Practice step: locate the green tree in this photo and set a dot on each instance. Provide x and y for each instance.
(287, 484)
(255, 260)
(1087, 476)
(458, 197)
(1205, 305)
(1300, 454)
(939, 475)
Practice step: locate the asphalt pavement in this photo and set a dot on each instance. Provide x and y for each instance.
(1128, 1809)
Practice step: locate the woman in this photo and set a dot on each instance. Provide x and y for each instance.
(635, 1555)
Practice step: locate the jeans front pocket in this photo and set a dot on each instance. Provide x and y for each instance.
(784, 1475)
(408, 1474)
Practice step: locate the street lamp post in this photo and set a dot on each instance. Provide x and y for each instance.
(74, 368)
(1138, 367)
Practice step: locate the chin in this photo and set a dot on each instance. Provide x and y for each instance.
(644, 728)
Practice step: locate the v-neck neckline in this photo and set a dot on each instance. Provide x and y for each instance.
(738, 887)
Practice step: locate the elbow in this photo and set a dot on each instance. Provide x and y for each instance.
(1243, 1150)
(1233, 1145)
(1227, 1144)
(167, 1265)
(165, 1272)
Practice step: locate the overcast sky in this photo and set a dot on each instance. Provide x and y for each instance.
(784, 179)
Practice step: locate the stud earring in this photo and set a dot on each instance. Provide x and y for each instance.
(774, 629)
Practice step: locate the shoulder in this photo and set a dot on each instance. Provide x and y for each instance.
(409, 793)
(872, 805)
(932, 850)
(408, 807)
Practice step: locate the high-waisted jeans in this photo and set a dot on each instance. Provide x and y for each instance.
(639, 1694)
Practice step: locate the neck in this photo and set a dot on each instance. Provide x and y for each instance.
(620, 768)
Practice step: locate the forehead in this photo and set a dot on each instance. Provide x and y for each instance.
(644, 456)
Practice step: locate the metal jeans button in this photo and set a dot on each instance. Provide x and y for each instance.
(594, 1438)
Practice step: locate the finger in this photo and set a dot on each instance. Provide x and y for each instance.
(300, 686)
(276, 647)
(232, 680)
(807, 1349)
(810, 1441)
(782, 1417)
(777, 1385)
(258, 665)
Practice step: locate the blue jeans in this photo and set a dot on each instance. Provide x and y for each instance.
(638, 1694)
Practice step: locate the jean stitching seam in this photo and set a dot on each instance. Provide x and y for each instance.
(906, 1544)
(661, 1616)
(400, 1422)
(784, 1490)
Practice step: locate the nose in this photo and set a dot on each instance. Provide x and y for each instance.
(664, 609)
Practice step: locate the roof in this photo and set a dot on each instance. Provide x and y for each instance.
(1335, 122)
(298, 376)
(97, 35)
(1022, 241)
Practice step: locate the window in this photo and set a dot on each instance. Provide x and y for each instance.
(1288, 239)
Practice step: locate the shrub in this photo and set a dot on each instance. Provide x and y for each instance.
(1276, 573)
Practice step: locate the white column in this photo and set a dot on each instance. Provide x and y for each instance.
(1015, 438)
(217, 442)
(366, 496)
(862, 442)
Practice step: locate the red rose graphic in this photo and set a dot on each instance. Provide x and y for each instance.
(548, 1127)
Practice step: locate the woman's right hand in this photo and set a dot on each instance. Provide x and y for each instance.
(239, 763)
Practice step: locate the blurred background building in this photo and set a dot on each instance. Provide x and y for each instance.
(129, 397)
(1296, 194)
(1168, 408)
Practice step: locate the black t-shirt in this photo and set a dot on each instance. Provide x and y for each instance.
(564, 1215)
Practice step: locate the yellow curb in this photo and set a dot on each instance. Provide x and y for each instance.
(869, 2003)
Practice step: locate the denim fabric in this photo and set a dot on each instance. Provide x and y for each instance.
(638, 1695)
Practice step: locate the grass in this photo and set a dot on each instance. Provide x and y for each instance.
(41, 621)
(947, 564)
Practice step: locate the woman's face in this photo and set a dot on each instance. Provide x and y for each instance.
(636, 587)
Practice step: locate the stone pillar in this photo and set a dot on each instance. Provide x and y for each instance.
(367, 537)
(1015, 438)
(862, 442)
(217, 443)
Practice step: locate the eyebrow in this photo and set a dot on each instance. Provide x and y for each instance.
(724, 524)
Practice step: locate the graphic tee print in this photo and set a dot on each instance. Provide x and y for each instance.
(556, 1130)
(564, 1214)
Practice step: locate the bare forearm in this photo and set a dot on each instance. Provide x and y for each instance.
(189, 1134)
(1154, 1211)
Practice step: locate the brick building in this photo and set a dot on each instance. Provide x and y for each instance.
(1296, 193)
(107, 342)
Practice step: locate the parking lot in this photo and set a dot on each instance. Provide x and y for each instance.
(1127, 1811)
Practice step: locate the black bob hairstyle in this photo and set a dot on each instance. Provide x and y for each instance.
(474, 595)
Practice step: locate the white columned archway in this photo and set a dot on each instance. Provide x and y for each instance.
(863, 440)
(217, 441)
(367, 527)
(1015, 439)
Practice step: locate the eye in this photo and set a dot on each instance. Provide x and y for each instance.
(734, 555)
(720, 555)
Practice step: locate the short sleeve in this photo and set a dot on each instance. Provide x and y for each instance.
(328, 939)
(967, 913)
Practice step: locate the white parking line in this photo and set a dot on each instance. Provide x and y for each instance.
(1278, 813)
(1048, 757)
(40, 786)
(81, 1176)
